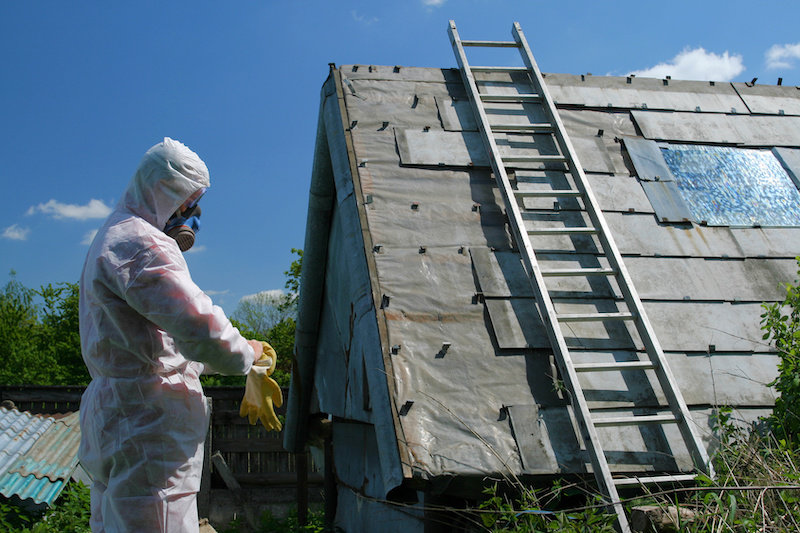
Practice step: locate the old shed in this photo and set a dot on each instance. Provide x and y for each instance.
(416, 335)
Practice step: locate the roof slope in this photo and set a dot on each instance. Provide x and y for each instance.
(415, 256)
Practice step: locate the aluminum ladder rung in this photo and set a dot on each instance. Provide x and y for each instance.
(513, 98)
(498, 69)
(653, 480)
(635, 420)
(617, 366)
(522, 128)
(491, 44)
(565, 272)
(562, 231)
(533, 159)
(594, 317)
(548, 193)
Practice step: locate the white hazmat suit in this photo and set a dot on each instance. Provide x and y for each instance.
(146, 333)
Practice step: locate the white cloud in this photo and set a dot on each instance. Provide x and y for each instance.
(89, 237)
(217, 293)
(782, 55)
(270, 295)
(16, 233)
(697, 64)
(434, 3)
(54, 208)
(196, 249)
(362, 18)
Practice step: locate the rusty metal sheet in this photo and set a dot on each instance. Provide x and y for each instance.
(770, 99)
(744, 130)
(644, 93)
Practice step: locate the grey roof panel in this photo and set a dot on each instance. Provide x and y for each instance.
(790, 159)
(456, 114)
(641, 234)
(745, 130)
(770, 99)
(647, 159)
(643, 93)
(667, 201)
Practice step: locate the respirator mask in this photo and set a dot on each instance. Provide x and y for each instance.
(184, 224)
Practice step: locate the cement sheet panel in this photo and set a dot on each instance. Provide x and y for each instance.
(465, 148)
(592, 154)
(643, 93)
(539, 432)
(456, 114)
(744, 130)
(770, 99)
(666, 199)
(639, 234)
(749, 280)
(711, 379)
(394, 73)
(605, 129)
(613, 193)
(517, 325)
(630, 445)
(441, 148)
(647, 159)
(697, 327)
(790, 160)
(501, 274)
(620, 193)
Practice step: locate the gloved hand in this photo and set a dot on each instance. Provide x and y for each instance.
(262, 394)
(268, 354)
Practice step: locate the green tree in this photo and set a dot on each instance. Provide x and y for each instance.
(19, 330)
(270, 318)
(781, 323)
(59, 335)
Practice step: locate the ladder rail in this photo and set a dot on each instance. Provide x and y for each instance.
(636, 312)
(642, 324)
(568, 372)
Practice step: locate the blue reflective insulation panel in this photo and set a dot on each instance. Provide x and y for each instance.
(726, 186)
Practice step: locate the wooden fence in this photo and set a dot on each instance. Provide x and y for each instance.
(254, 456)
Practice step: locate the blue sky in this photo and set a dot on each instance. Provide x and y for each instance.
(87, 87)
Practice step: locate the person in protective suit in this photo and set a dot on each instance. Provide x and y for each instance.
(147, 332)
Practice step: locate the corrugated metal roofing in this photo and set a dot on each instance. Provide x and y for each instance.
(37, 454)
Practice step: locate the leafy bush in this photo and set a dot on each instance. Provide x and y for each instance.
(70, 513)
(781, 323)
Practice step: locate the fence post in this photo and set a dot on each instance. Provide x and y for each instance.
(204, 498)
(301, 466)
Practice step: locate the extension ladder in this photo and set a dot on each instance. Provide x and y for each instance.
(513, 198)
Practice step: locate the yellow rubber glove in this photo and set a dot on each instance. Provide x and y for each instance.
(268, 354)
(261, 393)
